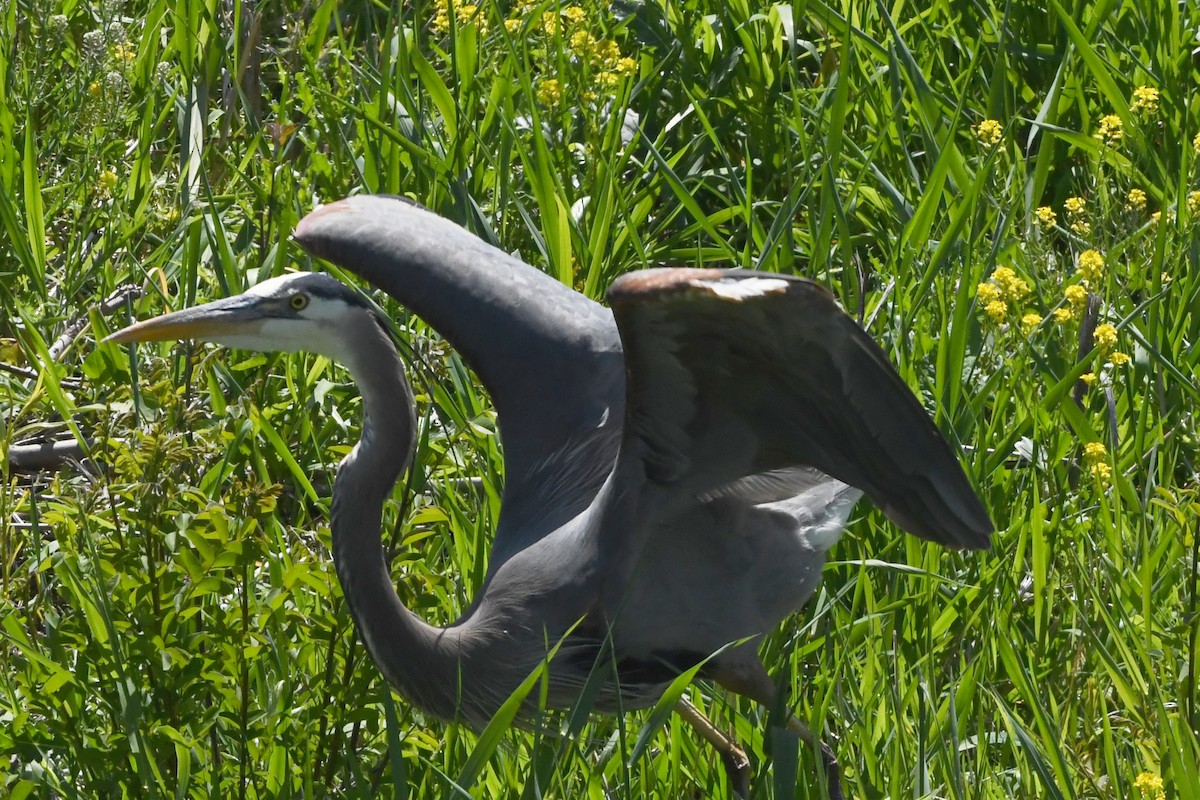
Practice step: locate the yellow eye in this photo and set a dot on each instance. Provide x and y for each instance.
(298, 301)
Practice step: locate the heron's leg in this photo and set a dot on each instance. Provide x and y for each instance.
(755, 683)
(737, 765)
(833, 770)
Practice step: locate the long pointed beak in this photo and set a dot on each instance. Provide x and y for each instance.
(232, 316)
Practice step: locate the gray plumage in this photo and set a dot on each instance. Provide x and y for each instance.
(675, 469)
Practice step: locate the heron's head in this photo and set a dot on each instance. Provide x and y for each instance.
(301, 311)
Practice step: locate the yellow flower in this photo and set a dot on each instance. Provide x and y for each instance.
(1075, 205)
(1136, 200)
(108, 182)
(997, 309)
(1095, 457)
(607, 52)
(1088, 378)
(582, 41)
(606, 80)
(1081, 227)
(1156, 217)
(625, 66)
(468, 14)
(1090, 265)
(989, 132)
(1046, 216)
(1110, 129)
(1150, 786)
(1118, 359)
(513, 26)
(1196, 143)
(124, 52)
(1063, 315)
(464, 14)
(1193, 202)
(987, 293)
(95, 88)
(1105, 338)
(550, 23)
(549, 92)
(1145, 100)
(574, 14)
(1031, 321)
(1011, 287)
(1076, 295)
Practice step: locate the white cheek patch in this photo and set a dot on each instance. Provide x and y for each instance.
(744, 289)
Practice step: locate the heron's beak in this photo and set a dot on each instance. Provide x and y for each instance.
(232, 316)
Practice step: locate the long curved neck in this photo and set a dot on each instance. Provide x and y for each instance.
(419, 660)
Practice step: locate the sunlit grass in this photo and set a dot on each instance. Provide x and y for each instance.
(169, 618)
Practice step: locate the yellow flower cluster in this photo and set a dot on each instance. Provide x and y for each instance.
(1076, 297)
(1011, 287)
(989, 132)
(605, 55)
(1193, 202)
(1002, 288)
(1076, 207)
(1145, 100)
(1105, 339)
(1196, 143)
(1150, 786)
(1046, 217)
(1090, 265)
(107, 182)
(549, 92)
(1095, 458)
(601, 59)
(464, 14)
(1110, 129)
(124, 53)
(1136, 200)
(1031, 321)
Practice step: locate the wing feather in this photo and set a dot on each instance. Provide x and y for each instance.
(731, 374)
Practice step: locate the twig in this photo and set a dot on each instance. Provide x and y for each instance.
(43, 455)
(32, 374)
(113, 302)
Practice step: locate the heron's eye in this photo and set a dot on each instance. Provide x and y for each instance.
(298, 301)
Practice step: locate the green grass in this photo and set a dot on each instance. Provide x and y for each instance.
(170, 625)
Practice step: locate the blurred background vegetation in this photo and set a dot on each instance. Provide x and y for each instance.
(1005, 194)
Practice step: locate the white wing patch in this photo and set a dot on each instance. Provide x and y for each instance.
(741, 289)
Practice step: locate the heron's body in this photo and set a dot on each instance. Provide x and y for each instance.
(675, 469)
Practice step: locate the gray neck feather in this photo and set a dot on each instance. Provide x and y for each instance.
(421, 661)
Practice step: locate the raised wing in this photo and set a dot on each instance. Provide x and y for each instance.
(734, 374)
(550, 357)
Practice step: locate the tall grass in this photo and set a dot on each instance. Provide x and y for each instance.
(169, 622)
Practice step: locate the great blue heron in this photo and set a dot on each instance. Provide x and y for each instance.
(675, 470)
